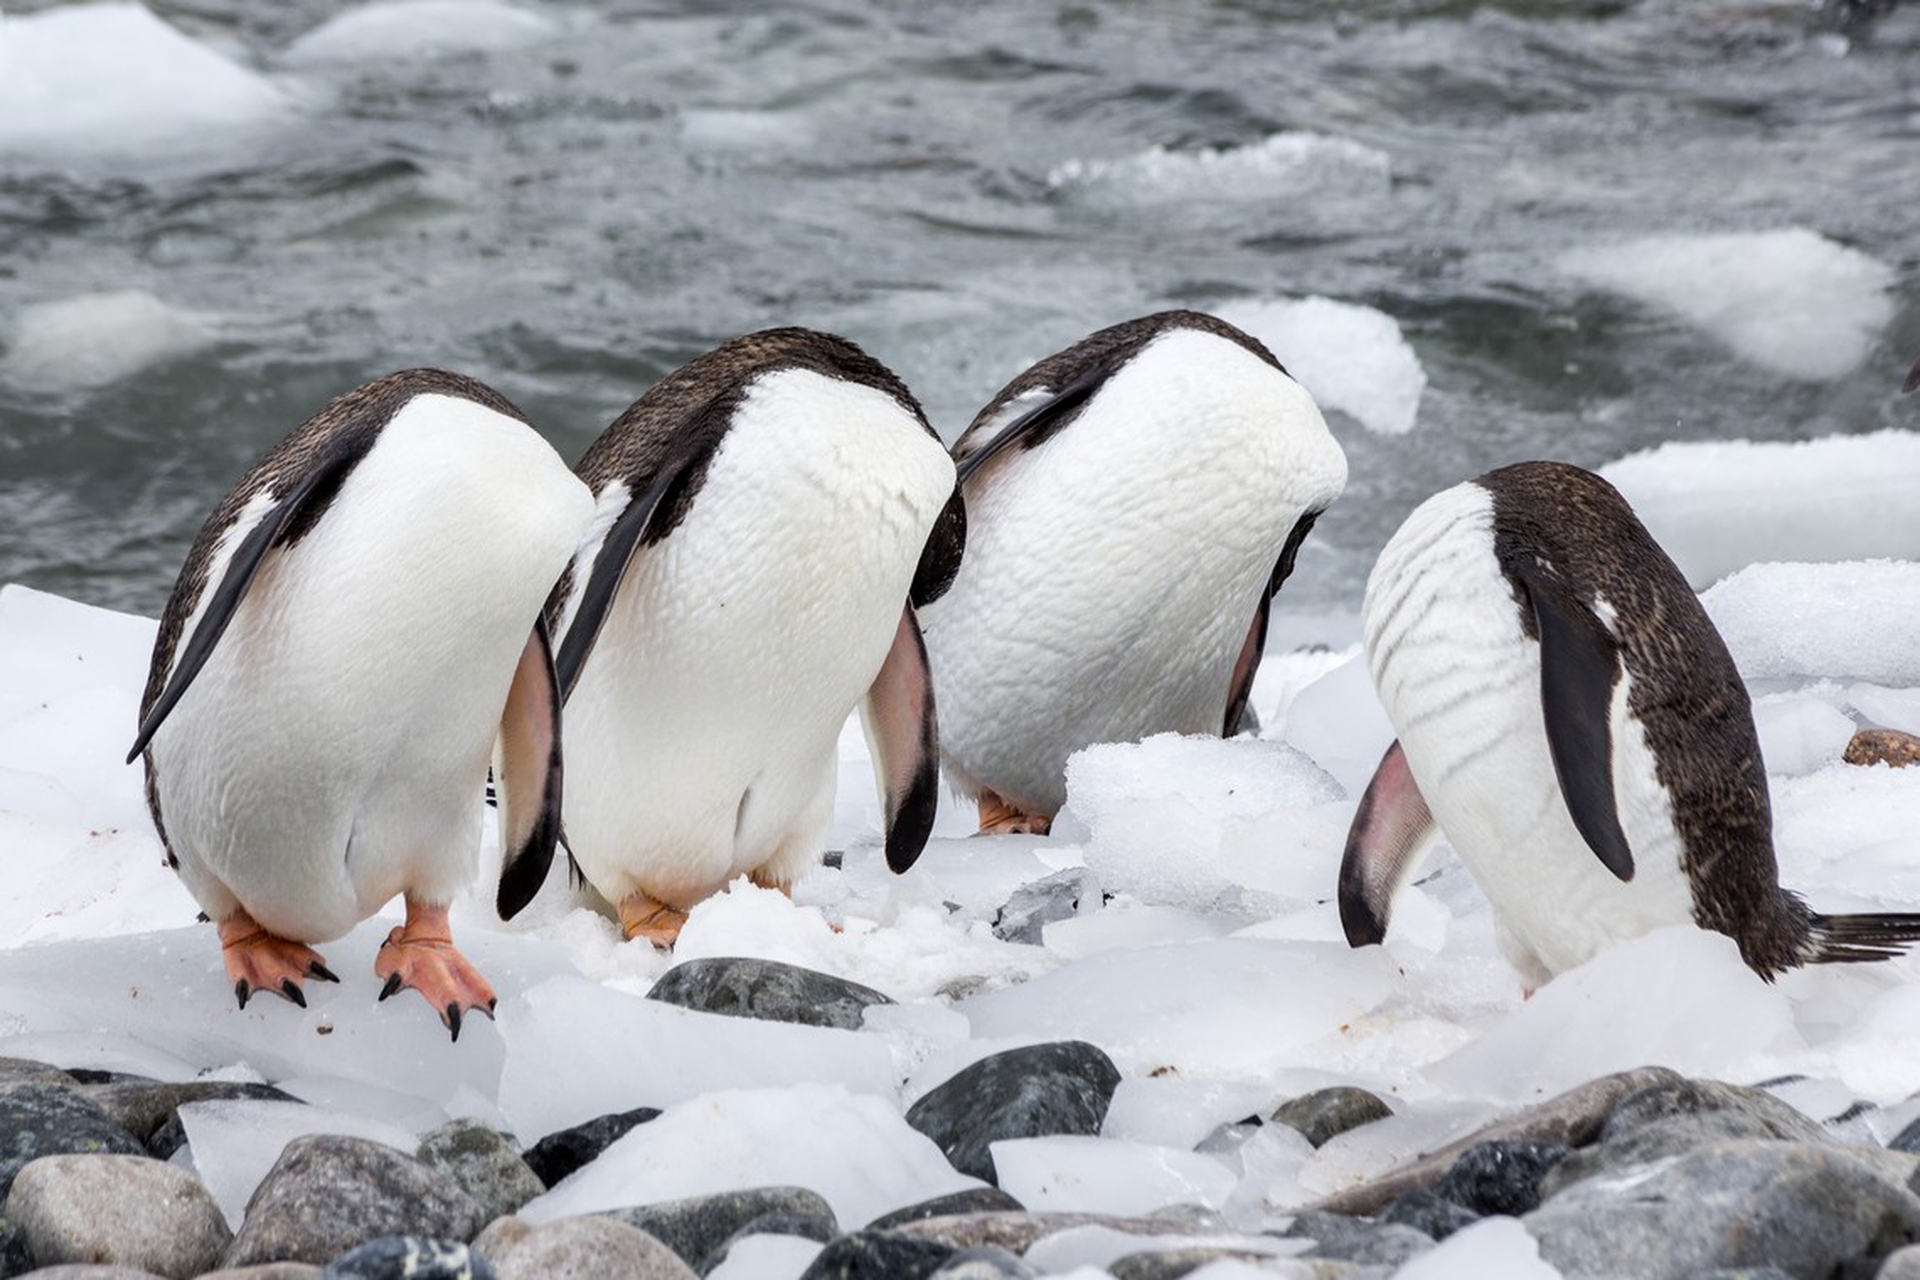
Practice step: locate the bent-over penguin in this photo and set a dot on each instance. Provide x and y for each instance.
(1133, 504)
(767, 518)
(355, 630)
(1570, 718)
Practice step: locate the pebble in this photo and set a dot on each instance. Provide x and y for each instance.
(1326, 1113)
(1039, 903)
(694, 1228)
(483, 1160)
(1882, 746)
(267, 1271)
(145, 1108)
(565, 1150)
(44, 1119)
(1031, 1092)
(589, 1248)
(1380, 1244)
(805, 1226)
(328, 1193)
(132, 1211)
(972, 1200)
(748, 988)
(1429, 1213)
(1501, 1176)
(878, 1255)
(1902, 1264)
(408, 1258)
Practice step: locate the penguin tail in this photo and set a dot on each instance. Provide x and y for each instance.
(1851, 939)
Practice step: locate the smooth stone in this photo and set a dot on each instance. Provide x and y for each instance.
(1804, 1208)
(695, 1227)
(1902, 1264)
(328, 1193)
(747, 988)
(131, 1211)
(566, 1150)
(1429, 1213)
(38, 1119)
(1502, 1176)
(143, 1107)
(984, 1263)
(1325, 1113)
(26, 1071)
(266, 1271)
(1171, 1264)
(1882, 746)
(483, 1160)
(972, 1200)
(1574, 1118)
(807, 1226)
(878, 1255)
(15, 1258)
(1039, 903)
(408, 1258)
(89, 1271)
(587, 1248)
(1379, 1244)
(1032, 1092)
(1016, 1232)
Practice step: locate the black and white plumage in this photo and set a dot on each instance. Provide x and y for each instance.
(355, 627)
(768, 516)
(1570, 718)
(1133, 504)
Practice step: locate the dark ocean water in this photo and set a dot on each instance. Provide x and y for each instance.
(571, 218)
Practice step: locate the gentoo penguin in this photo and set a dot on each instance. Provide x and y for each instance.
(1133, 504)
(357, 623)
(1572, 721)
(767, 518)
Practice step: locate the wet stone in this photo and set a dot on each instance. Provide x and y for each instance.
(483, 1160)
(748, 988)
(878, 1255)
(408, 1258)
(38, 1119)
(128, 1210)
(972, 1200)
(1325, 1113)
(1039, 903)
(1433, 1216)
(562, 1152)
(588, 1248)
(1500, 1177)
(1036, 1091)
(1379, 1244)
(694, 1228)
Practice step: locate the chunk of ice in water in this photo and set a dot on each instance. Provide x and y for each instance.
(93, 339)
(1348, 357)
(415, 29)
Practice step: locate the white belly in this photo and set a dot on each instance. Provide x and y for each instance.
(700, 739)
(333, 750)
(1461, 682)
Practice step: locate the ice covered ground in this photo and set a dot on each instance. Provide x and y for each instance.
(1214, 974)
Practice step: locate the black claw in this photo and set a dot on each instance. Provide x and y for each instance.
(393, 985)
(490, 1004)
(320, 973)
(453, 1018)
(291, 990)
(241, 990)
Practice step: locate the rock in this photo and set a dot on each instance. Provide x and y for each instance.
(694, 1228)
(39, 1119)
(1379, 1244)
(328, 1193)
(588, 1248)
(1756, 1273)
(131, 1211)
(747, 988)
(1806, 1209)
(266, 1271)
(1016, 1232)
(143, 1107)
(26, 1071)
(408, 1258)
(90, 1271)
(1502, 1176)
(15, 1258)
(1882, 746)
(1573, 1118)
(1908, 1139)
(1039, 903)
(1434, 1216)
(560, 1153)
(1171, 1264)
(984, 1263)
(1032, 1092)
(481, 1159)
(807, 1226)
(1325, 1112)
(1902, 1264)
(972, 1200)
(878, 1255)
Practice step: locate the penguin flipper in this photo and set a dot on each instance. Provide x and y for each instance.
(940, 557)
(1391, 829)
(285, 520)
(898, 716)
(1037, 423)
(1247, 665)
(1579, 668)
(1912, 384)
(526, 765)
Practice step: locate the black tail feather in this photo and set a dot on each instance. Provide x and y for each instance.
(1851, 939)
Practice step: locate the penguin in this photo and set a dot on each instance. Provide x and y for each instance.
(1133, 504)
(1912, 384)
(1571, 721)
(767, 518)
(356, 626)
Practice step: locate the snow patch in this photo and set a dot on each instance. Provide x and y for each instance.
(1803, 621)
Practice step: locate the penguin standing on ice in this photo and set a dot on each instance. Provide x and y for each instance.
(1572, 721)
(356, 626)
(1133, 504)
(769, 515)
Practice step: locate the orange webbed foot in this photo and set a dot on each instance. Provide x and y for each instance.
(420, 954)
(1001, 817)
(261, 961)
(642, 916)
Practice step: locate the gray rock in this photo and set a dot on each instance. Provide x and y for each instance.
(694, 1228)
(1433, 1216)
(878, 1255)
(481, 1159)
(1502, 1176)
(26, 1071)
(15, 1258)
(1753, 1273)
(1807, 1209)
(1170, 1264)
(328, 1193)
(1326, 1112)
(142, 1107)
(1016, 1232)
(1039, 903)
(408, 1258)
(588, 1248)
(131, 1211)
(1902, 1264)
(266, 1271)
(972, 1200)
(748, 988)
(1039, 1090)
(563, 1151)
(984, 1263)
(1380, 1244)
(38, 1119)
(90, 1271)
(1908, 1139)
(807, 1226)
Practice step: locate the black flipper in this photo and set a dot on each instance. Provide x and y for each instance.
(1390, 830)
(1247, 666)
(898, 715)
(526, 762)
(940, 557)
(291, 514)
(1579, 667)
(1039, 422)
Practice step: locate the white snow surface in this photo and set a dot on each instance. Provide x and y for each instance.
(413, 29)
(1789, 300)
(91, 339)
(1216, 976)
(1352, 358)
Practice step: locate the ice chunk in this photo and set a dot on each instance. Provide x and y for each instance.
(1886, 708)
(236, 1141)
(1281, 166)
(1839, 621)
(1491, 1247)
(1175, 1111)
(721, 129)
(1069, 1173)
(1097, 1247)
(1351, 358)
(1790, 300)
(96, 338)
(1338, 720)
(1125, 922)
(414, 29)
(98, 1051)
(1799, 733)
(1835, 498)
(854, 1149)
(767, 1257)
